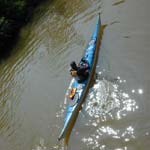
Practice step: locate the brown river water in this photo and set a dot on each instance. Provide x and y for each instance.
(34, 80)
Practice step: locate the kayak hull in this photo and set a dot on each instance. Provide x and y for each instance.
(74, 106)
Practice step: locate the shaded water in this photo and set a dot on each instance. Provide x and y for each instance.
(33, 81)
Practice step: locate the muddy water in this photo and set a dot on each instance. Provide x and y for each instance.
(33, 81)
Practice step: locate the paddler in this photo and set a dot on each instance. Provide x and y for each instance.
(80, 71)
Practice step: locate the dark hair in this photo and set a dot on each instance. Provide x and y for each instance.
(73, 65)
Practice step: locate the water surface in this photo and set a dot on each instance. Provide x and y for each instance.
(34, 80)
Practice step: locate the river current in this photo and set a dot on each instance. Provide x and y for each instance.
(34, 79)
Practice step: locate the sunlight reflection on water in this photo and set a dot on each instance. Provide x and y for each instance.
(107, 101)
(106, 97)
(43, 146)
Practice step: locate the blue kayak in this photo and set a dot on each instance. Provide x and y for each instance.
(74, 105)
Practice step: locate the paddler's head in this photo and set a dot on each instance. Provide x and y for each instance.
(73, 65)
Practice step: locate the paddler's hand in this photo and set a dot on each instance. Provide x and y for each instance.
(73, 73)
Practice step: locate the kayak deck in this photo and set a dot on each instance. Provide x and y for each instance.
(74, 105)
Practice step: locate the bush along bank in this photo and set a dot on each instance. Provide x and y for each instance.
(13, 15)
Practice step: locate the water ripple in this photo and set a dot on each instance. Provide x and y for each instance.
(107, 105)
(106, 98)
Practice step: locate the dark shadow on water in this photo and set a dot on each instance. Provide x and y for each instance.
(118, 3)
(114, 22)
(126, 37)
(10, 41)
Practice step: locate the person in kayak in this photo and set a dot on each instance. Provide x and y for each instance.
(80, 71)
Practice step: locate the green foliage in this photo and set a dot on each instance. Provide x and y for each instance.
(13, 13)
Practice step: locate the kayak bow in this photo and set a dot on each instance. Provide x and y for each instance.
(74, 105)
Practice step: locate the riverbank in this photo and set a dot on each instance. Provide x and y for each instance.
(13, 15)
